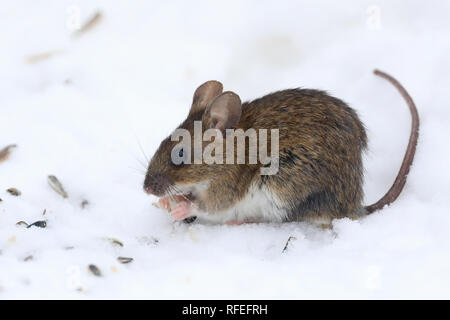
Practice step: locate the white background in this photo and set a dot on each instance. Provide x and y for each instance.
(82, 114)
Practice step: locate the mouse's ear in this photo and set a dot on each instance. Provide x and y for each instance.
(224, 112)
(205, 94)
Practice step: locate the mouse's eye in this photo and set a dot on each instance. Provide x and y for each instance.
(178, 157)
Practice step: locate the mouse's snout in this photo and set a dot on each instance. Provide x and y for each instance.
(157, 184)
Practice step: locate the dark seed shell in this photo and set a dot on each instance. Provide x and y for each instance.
(89, 24)
(190, 219)
(5, 152)
(40, 224)
(124, 259)
(115, 242)
(288, 241)
(94, 270)
(22, 223)
(14, 192)
(57, 186)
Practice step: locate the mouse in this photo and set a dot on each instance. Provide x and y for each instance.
(319, 168)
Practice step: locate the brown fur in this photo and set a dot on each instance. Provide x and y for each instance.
(320, 173)
(321, 141)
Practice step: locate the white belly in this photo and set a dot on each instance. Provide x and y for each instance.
(259, 205)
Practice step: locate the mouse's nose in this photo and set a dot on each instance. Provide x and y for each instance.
(156, 184)
(148, 190)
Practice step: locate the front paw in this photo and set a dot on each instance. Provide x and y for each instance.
(177, 206)
(168, 203)
(181, 210)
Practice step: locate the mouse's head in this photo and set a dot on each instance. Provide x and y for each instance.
(175, 167)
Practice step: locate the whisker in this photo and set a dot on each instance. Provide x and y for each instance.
(142, 149)
(179, 193)
(141, 171)
(170, 194)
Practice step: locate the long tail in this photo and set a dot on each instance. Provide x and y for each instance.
(400, 180)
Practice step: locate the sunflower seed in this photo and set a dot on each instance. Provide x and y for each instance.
(22, 223)
(94, 270)
(84, 204)
(14, 192)
(288, 241)
(57, 186)
(40, 224)
(38, 57)
(89, 24)
(28, 258)
(6, 151)
(124, 259)
(115, 242)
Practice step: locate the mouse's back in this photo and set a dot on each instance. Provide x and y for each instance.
(321, 140)
(317, 150)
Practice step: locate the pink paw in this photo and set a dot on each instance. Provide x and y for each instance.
(164, 203)
(181, 210)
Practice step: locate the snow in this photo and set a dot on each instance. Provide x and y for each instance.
(84, 114)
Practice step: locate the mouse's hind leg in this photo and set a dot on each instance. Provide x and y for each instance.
(298, 189)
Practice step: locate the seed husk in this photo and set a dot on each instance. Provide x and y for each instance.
(156, 205)
(94, 270)
(28, 258)
(190, 219)
(40, 224)
(291, 238)
(148, 240)
(57, 186)
(84, 204)
(6, 151)
(124, 259)
(115, 242)
(22, 223)
(326, 226)
(89, 24)
(15, 192)
(42, 56)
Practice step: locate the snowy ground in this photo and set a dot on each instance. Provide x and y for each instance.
(82, 114)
